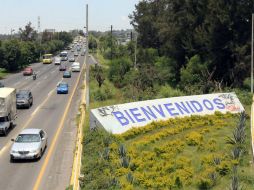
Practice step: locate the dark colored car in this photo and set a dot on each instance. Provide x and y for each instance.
(67, 74)
(28, 71)
(62, 68)
(24, 98)
(62, 88)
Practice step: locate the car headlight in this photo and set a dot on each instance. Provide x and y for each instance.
(34, 151)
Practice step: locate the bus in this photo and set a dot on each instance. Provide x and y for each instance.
(47, 58)
(64, 56)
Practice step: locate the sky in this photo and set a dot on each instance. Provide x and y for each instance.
(65, 15)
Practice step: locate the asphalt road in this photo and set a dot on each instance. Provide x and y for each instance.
(53, 170)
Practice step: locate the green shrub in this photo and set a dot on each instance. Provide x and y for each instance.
(167, 92)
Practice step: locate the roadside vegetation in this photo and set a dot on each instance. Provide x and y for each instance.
(18, 52)
(183, 48)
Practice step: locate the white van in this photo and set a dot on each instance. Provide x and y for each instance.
(75, 67)
(57, 61)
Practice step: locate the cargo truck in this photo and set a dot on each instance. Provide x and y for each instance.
(8, 110)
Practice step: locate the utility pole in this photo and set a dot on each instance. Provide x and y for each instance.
(111, 32)
(252, 16)
(87, 64)
(12, 30)
(39, 33)
(135, 54)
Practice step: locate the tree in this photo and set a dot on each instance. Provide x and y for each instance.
(12, 55)
(217, 31)
(28, 33)
(99, 75)
(117, 70)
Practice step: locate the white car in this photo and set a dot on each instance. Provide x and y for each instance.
(76, 54)
(29, 144)
(57, 60)
(75, 67)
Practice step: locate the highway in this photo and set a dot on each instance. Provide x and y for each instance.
(54, 113)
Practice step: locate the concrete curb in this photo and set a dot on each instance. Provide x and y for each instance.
(78, 148)
(252, 126)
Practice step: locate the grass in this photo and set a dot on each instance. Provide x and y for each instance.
(3, 73)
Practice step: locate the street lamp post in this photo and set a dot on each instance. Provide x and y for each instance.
(87, 65)
(252, 53)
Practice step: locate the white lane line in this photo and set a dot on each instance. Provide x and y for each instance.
(44, 78)
(27, 78)
(53, 71)
(38, 83)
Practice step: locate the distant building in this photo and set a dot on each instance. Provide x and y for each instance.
(50, 30)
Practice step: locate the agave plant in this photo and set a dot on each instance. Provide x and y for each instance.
(239, 135)
(235, 185)
(213, 177)
(106, 153)
(125, 161)
(122, 151)
(216, 161)
(130, 178)
(236, 152)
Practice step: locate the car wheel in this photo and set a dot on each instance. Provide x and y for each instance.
(11, 159)
(40, 154)
(28, 106)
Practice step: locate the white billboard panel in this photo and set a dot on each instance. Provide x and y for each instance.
(118, 119)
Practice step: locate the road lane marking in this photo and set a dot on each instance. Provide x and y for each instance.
(4, 148)
(44, 78)
(53, 143)
(36, 110)
(7, 146)
(49, 94)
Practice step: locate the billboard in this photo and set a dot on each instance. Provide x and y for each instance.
(119, 118)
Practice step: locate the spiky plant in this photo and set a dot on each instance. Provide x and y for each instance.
(125, 161)
(213, 177)
(122, 151)
(130, 178)
(235, 185)
(114, 182)
(106, 153)
(216, 161)
(239, 135)
(236, 152)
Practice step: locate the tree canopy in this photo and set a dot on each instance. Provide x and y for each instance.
(219, 32)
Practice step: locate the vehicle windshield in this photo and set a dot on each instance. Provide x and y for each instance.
(3, 119)
(21, 95)
(62, 85)
(63, 54)
(28, 138)
(47, 56)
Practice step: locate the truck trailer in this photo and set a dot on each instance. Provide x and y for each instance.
(8, 111)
